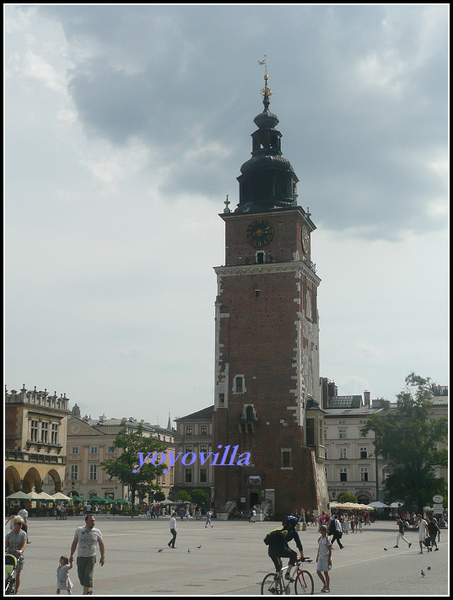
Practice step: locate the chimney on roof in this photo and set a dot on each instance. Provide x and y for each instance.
(367, 398)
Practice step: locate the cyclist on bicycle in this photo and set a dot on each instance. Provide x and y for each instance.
(278, 545)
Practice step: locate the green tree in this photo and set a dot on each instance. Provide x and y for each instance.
(199, 497)
(407, 438)
(182, 495)
(142, 482)
(347, 498)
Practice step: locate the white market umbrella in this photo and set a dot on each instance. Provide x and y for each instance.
(18, 496)
(60, 496)
(378, 504)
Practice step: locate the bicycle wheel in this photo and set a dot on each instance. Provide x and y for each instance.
(268, 586)
(304, 583)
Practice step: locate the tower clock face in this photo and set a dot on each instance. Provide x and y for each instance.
(305, 239)
(260, 233)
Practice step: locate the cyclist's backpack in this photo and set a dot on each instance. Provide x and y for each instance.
(276, 537)
(332, 528)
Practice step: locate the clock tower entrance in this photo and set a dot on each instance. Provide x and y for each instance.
(267, 339)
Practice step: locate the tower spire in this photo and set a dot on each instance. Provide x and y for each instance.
(266, 92)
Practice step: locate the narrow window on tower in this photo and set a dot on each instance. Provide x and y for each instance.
(257, 293)
(260, 258)
(238, 384)
(286, 458)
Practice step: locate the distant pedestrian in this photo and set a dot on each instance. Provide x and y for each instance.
(208, 519)
(422, 531)
(24, 514)
(63, 581)
(433, 530)
(324, 559)
(400, 534)
(252, 518)
(86, 538)
(173, 530)
(335, 530)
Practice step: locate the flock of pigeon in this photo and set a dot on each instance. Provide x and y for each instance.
(188, 549)
(422, 571)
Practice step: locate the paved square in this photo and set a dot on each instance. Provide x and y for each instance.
(232, 559)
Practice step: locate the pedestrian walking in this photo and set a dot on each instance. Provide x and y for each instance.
(399, 522)
(15, 544)
(208, 519)
(63, 581)
(173, 530)
(335, 530)
(433, 530)
(86, 538)
(324, 559)
(422, 531)
(24, 514)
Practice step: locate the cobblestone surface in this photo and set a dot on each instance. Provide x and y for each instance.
(232, 559)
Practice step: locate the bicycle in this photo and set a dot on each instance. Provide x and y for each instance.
(275, 584)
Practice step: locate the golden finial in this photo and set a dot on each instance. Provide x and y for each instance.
(266, 92)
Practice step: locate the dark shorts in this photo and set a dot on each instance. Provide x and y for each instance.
(85, 569)
(277, 551)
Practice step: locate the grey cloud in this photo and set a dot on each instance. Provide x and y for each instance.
(179, 77)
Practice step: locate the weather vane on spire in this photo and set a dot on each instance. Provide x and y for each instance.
(266, 92)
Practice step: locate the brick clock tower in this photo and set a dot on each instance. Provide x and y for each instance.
(267, 339)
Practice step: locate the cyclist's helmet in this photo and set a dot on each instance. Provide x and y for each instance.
(291, 521)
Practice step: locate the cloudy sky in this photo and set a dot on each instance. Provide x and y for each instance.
(126, 127)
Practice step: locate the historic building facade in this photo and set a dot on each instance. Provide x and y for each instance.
(91, 441)
(35, 440)
(194, 434)
(267, 337)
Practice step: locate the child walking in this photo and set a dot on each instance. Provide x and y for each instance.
(324, 559)
(63, 581)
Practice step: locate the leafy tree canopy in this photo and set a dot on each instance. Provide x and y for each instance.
(347, 498)
(131, 443)
(408, 438)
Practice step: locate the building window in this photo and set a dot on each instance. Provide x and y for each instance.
(343, 474)
(44, 432)
(286, 461)
(34, 431)
(363, 453)
(238, 384)
(342, 453)
(188, 449)
(363, 474)
(310, 432)
(188, 475)
(188, 429)
(74, 450)
(110, 450)
(94, 450)
(74, 472)
(342, 434)
(203, 449)
(260, 258)
(257, 293)
(221, 399)
(54, 433)
(93, 472)
(203, 476)
(203, 429)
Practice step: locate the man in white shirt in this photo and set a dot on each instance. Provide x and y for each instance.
(173, 531)
(422, 531)
(24, 514)
(86, 539)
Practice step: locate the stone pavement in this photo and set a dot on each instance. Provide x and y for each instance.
(232, 559)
